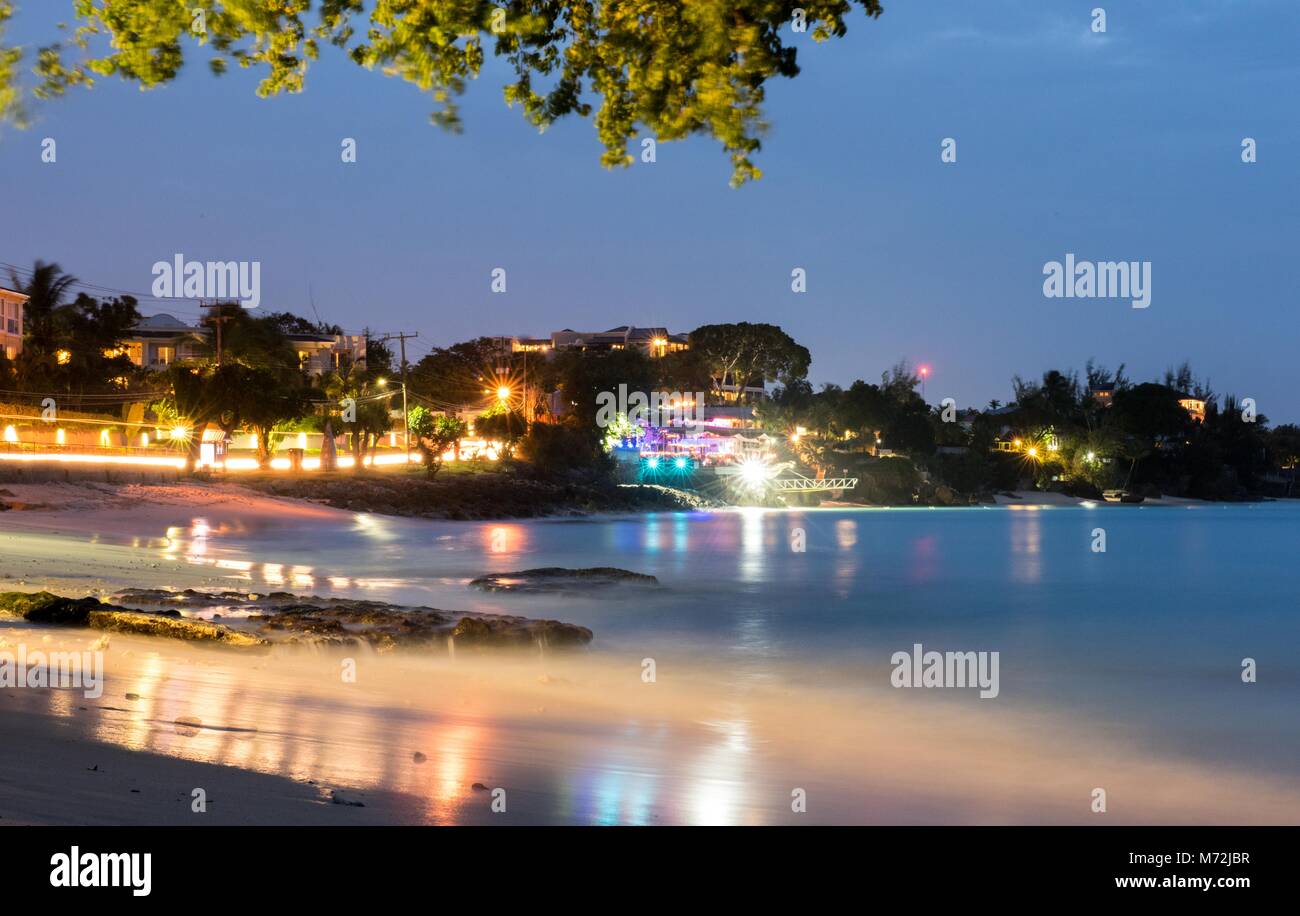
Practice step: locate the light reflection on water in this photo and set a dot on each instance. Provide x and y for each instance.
(589, 744)
(1145, 639)
(581, 757)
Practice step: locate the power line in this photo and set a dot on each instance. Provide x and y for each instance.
(148, 299)
(402, 337)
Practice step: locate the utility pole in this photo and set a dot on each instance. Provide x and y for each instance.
(218, 319)
(401, 337)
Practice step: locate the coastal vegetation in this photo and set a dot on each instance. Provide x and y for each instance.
(640, 68)
(542, 445)
(476, 492)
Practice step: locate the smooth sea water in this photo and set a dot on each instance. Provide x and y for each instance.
(772, 636)
(1149, 635)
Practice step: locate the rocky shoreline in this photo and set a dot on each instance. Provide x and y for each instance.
(252, 621)
(474, 497)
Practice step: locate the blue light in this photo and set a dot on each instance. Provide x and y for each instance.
(652, 463)
(679, 463)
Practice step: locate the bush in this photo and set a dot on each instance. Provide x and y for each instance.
(553, 448)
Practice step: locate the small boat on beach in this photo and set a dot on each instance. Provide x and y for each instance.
(1122, 496)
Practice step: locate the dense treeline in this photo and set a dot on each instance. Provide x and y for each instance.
(1082, 435)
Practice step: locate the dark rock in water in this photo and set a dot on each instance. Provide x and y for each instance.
(345, 622)
(558, 579)
(479, 787)
(145, 623)
(488, 632)
(339, 799)
(419, 757)
(259, 621)
(42, 607)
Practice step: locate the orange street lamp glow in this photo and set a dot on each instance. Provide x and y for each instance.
(503, 393)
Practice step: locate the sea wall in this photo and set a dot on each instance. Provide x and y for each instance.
(61, 472)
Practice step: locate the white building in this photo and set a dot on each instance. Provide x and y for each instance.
(160, 340)
(11, 322)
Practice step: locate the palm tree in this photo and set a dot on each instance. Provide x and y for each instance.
(45, 292)
(368, 404)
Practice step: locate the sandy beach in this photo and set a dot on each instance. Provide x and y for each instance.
(574, 738)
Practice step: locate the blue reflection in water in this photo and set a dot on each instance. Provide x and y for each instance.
(1147, 633)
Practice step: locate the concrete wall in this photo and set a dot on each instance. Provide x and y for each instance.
(58, 472)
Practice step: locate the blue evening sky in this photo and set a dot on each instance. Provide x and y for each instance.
(1123, 146)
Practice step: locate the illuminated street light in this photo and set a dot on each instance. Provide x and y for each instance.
(755, 473)
(503, 393)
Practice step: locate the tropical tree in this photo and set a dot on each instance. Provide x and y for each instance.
(434, 435)
(644, 67)
(463, 375)
(562, 450)
(1146, 416)
(91, 332)
(359, 406)
(245, 337)
(503, 426)
(289, 323)
(270, 399)
(198, 397)
(1284, 448)
(582, 377)
(742, 353)
(379, 355)
(46, 289)
(866, 410)
(788, 408)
